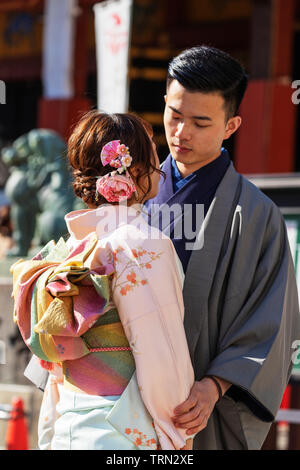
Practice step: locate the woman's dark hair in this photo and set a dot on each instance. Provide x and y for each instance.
(207, 70)
(92, 132)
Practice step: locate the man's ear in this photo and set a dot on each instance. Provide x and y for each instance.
(232, 126)
(165, 98)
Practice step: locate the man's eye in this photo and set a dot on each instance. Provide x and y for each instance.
(198, 125)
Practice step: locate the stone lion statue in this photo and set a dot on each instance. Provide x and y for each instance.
(39, 189)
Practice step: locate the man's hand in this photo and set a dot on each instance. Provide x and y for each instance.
(193, 414)
(188, 445)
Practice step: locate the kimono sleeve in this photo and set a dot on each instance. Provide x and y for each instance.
(147, 290)
(256, 347)
(36, 373)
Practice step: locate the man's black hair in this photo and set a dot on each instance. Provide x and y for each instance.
(206, 69)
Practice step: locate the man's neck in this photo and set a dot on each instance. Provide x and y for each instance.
(187, 169)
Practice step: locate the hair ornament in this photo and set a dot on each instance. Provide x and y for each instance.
(117, 185)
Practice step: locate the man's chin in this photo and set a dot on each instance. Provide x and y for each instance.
(186, 159)
(190, 159)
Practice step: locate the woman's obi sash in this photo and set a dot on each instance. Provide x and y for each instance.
(110, 364)
(65, 315)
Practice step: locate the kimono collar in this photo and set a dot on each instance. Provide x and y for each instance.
(103, 220)
(178, 180)
(195, 187)
(204, 172)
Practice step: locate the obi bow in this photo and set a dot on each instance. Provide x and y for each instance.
(58, 298)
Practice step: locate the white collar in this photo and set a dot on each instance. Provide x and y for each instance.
(102, 220)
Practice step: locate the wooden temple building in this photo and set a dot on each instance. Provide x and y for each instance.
(263, 34)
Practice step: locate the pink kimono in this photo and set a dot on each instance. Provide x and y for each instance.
(146, 290)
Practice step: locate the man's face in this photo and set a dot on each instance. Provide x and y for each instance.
(195, 126)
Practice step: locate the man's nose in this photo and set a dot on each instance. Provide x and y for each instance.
(183, 131)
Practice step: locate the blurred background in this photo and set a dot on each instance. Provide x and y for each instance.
(263, 34)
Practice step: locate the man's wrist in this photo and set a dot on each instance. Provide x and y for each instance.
(223, 384)
(217, 386)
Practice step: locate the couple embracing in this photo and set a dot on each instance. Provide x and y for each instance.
(162, 341)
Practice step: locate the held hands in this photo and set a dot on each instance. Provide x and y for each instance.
(193, 414)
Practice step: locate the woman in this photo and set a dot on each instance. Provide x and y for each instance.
(106, 309)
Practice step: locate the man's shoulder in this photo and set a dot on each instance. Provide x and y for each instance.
(255, 198)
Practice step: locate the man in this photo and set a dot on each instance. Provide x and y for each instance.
(240, 294)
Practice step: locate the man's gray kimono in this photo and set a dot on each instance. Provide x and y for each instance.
(241, 313)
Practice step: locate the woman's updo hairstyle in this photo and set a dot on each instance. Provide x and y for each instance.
(92, 132)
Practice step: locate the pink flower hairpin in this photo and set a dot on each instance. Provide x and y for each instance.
(116, 186)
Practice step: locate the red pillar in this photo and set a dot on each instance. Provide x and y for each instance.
(265, 141)
(61, 114)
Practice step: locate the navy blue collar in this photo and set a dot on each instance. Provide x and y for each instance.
(197, 188)
(179, 181)
(199, 183)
